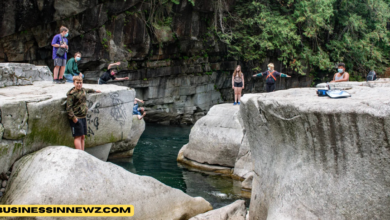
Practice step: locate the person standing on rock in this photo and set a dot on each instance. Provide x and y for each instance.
(271, 77)
(341, 75)
(110, 74)
(137, 110)
(237, 84)
(76, 106)
(60, 55)
(72, 69)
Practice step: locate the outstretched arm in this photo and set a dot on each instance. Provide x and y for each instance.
(259, 74)
(284, 75)
(121, 78)
(139, 100)
(113, 64)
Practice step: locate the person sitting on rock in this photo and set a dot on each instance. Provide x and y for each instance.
(341, 76)
(137, 110)
(110, 74)
(72, 69)
(271, 77)
(76, 106)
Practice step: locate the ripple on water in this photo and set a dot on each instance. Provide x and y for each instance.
(155, 156)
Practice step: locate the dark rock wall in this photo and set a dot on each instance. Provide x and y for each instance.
(180, 69)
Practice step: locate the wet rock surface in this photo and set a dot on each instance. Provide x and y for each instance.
(317, 157)
(234, 211)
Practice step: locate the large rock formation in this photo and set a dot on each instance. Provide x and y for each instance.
(234, 211)
(383, 82)
(15, 74)
(216, 138)
(60, 175)
(178, 67)
(317, 157)
(218, 143)
(125, 148)
(34, 116)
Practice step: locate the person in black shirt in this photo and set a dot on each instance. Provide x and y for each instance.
(110, 74)
(271, 77)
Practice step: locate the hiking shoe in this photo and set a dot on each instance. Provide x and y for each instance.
(238, 103)
(55, 80)
(234, 103)
(61, 81)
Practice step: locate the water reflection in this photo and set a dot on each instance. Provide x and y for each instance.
(155, 156)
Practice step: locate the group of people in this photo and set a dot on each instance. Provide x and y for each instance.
(238, 82)
(271, 75)
(76, 97)
(65, 70)
(77, 109)
(76, 105)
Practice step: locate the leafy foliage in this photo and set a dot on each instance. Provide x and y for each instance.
(310, 34)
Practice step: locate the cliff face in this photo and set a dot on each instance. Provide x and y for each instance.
(319, 158)
(178, 66)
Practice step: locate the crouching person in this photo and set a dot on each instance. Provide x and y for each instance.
(71, 68)
(76, 106)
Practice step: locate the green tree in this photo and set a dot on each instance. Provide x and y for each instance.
(313, 34)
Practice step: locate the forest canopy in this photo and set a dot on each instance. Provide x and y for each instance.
(312, 35)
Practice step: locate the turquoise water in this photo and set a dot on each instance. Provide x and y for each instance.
(155, 156)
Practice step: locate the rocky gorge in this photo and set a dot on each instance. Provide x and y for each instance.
(178, 66)
(310, 157)
(301, 156)
(33, 118)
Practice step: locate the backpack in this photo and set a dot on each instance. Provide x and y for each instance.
(371, 76)
(61, 51)
(271, 79)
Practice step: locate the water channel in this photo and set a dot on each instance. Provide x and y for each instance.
(155, 155)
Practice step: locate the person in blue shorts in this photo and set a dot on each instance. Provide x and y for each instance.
(137, 110)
